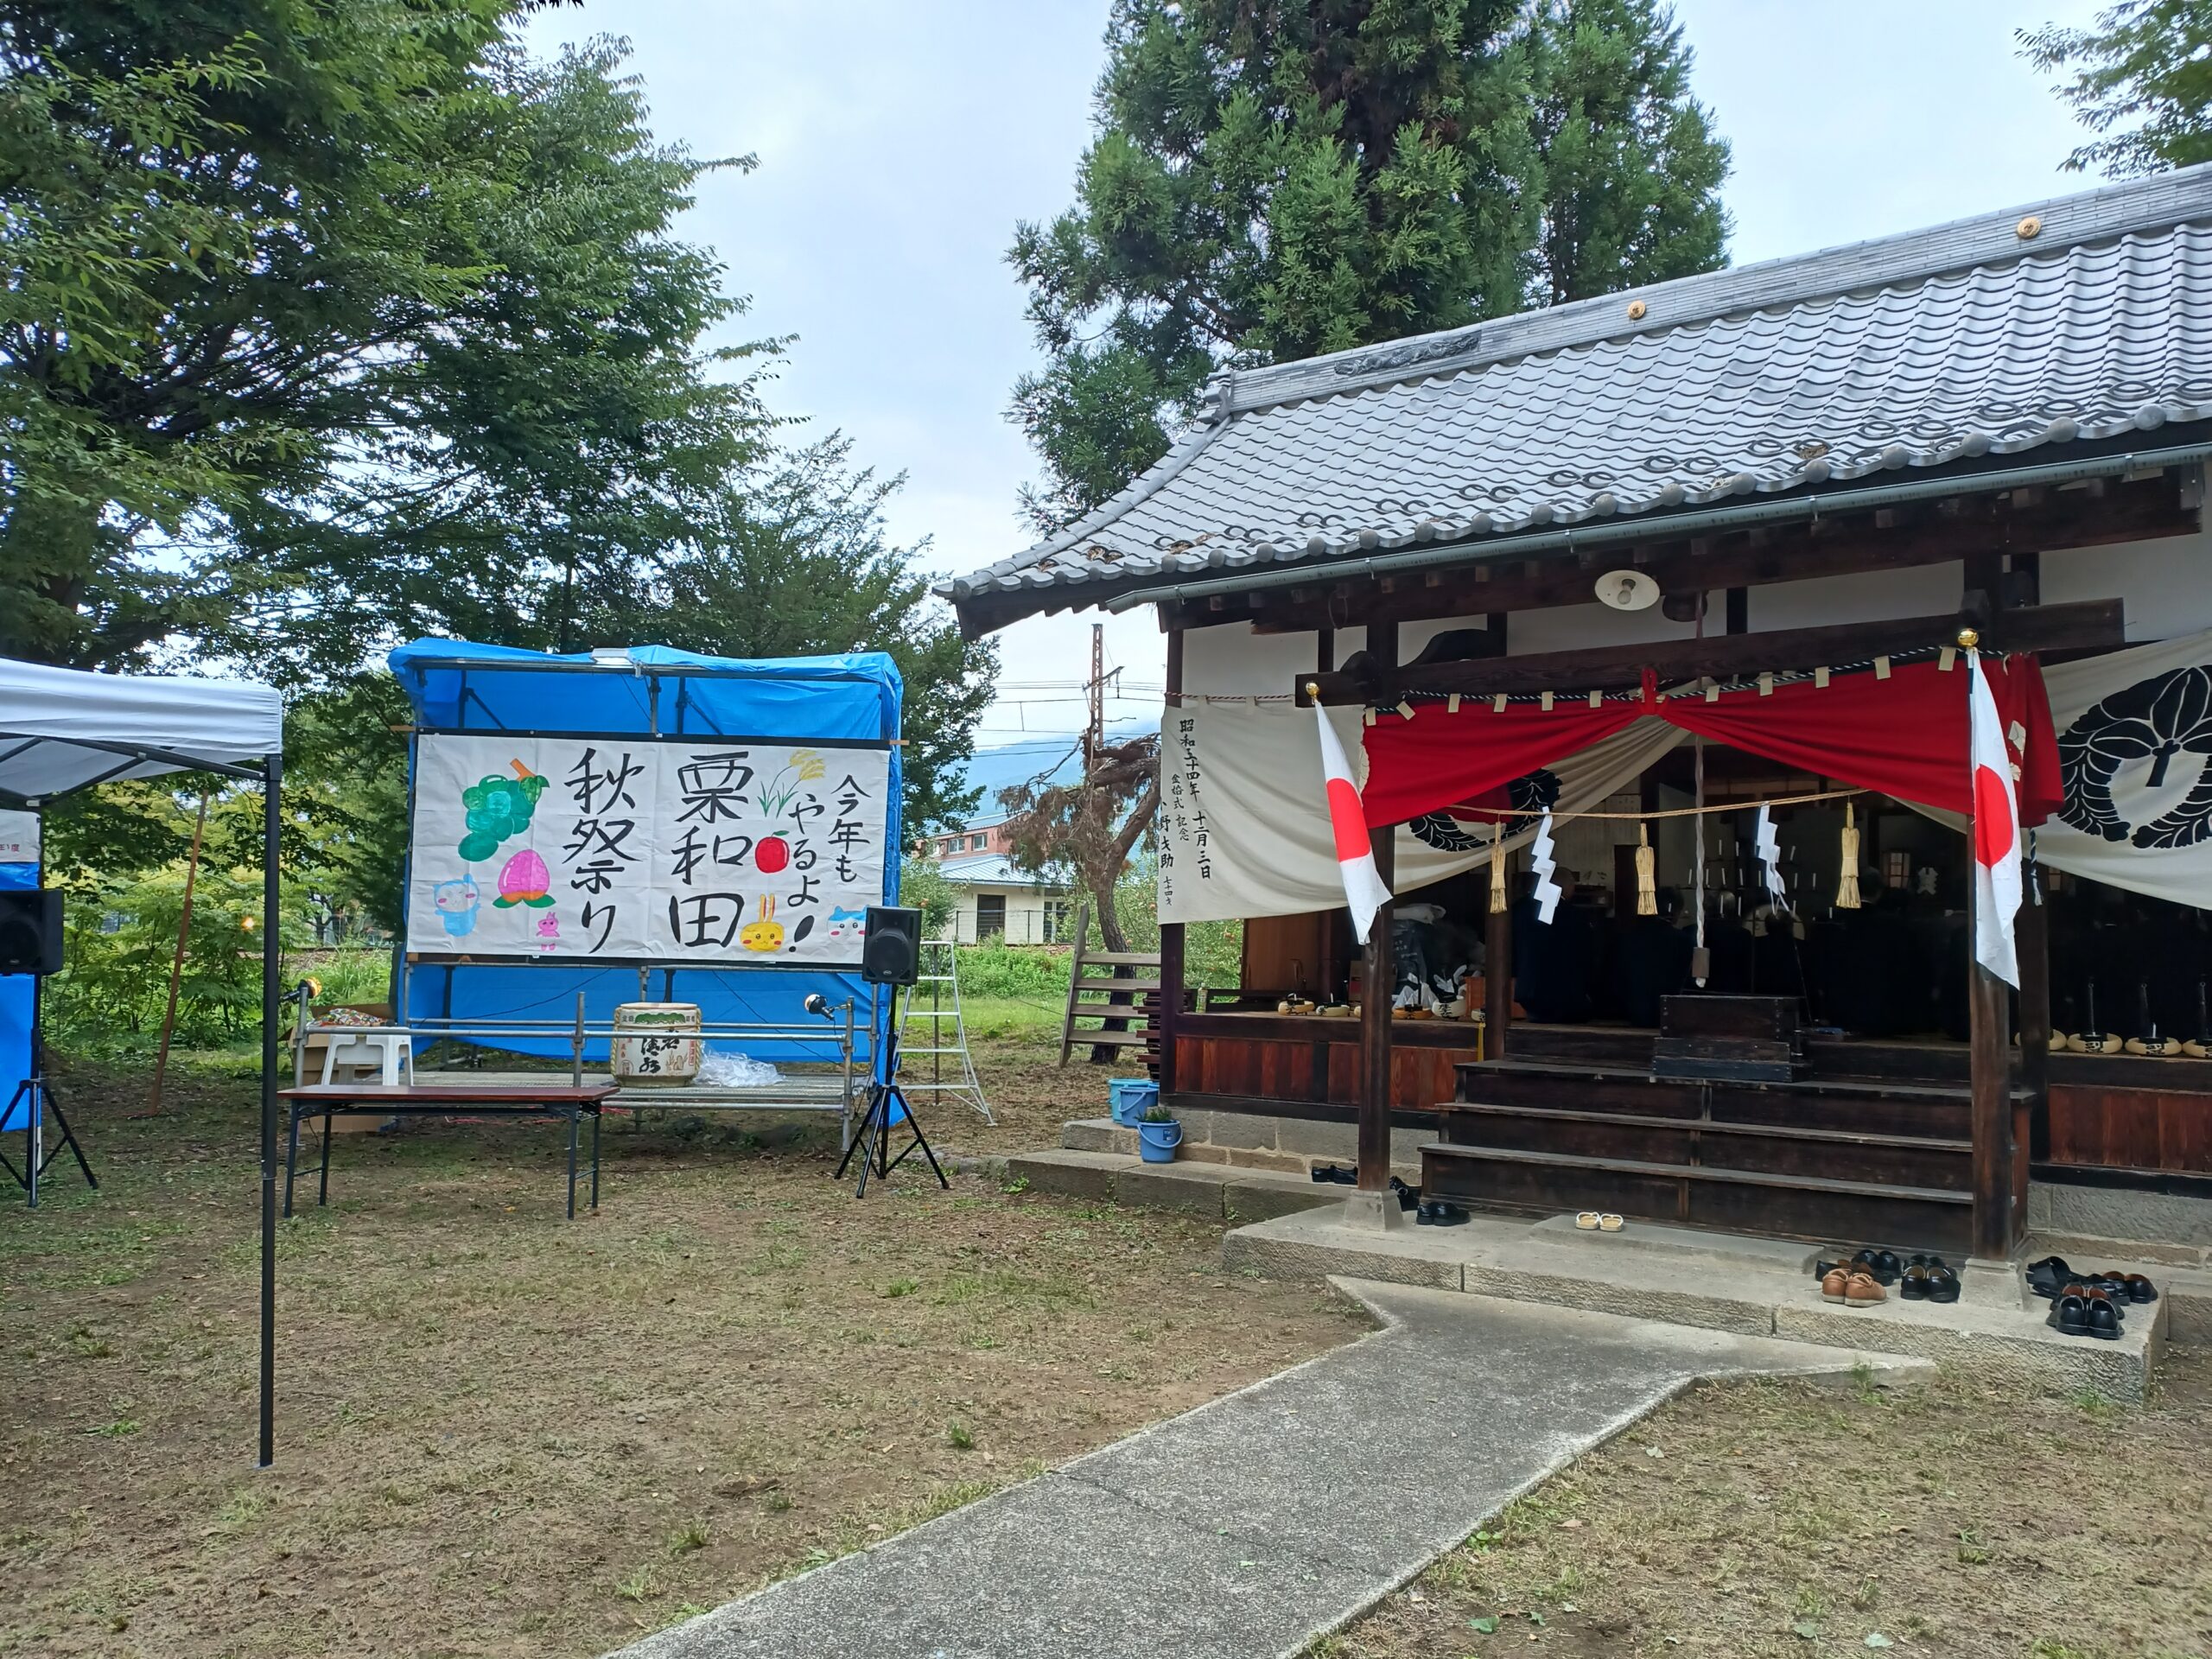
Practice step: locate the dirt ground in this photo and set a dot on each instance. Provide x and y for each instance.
(500, 1433)
(1779, 1519)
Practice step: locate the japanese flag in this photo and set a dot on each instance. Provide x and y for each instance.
(1363, 888)
(1996, 831)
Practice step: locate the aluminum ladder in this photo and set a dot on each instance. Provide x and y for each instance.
(950, 1075)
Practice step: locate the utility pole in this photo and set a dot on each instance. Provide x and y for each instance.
(1094, 734)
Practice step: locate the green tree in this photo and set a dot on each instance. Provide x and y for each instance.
(2142, 78)
(1269, 180)
(1630, 164)
(794, 560)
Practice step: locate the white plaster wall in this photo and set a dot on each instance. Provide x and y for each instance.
(1233, 661)
(2167, 584)
(1867, 596)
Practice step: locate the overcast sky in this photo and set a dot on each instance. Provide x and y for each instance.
(899, 141)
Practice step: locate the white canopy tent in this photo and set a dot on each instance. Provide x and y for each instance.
(62, 729)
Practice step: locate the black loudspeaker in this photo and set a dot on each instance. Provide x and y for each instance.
(30, 931)
(891, 950)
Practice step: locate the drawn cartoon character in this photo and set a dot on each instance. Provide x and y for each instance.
(549, 931)
(766, 933)
(456, 902)
(524, 881)
(846, 924)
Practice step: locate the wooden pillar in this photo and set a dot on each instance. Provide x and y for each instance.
(2033, 938)
(1171, 933)
(1996, 1227)
(1379, 979)
(1498, 971)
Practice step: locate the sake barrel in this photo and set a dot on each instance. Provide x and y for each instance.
(657, 1042)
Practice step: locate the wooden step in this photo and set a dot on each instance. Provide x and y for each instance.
(1129, 986)
(1886, 1160)
(1881, 1106)
(1817, 1208)
(1111, 1038)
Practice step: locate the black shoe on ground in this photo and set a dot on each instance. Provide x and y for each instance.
(1437, 1213)
(2104, 1320)
(2069, 1316)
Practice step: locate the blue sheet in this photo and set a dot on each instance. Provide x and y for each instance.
(18, 992)
(455, 685)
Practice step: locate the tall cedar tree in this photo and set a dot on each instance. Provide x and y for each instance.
(2142, 78)
(1630, 165)
(1274, 178)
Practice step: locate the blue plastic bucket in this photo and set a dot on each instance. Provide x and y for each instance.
(1156, 1142)
(1131, 1098)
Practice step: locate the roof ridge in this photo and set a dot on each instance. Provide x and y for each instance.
(1979, 241)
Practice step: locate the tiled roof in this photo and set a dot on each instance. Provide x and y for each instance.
(1989, 336)
(990, 870)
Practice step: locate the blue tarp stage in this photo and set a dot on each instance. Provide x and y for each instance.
(643, 691)
(18, 998)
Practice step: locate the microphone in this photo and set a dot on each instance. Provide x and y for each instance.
(818, 1004)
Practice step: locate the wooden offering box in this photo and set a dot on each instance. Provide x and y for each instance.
(1729, 1039)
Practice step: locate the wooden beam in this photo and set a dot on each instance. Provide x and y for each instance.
(2090, 625)
(1837, 544)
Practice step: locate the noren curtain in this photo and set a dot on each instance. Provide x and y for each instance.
(1905, 734)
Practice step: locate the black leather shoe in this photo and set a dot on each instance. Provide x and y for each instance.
(1409, 1197)
(2139, 1289)
(1942, 1284)
(2069, 1315)
(1339, 1176)
(1912, 1283)
(2048, 1276)
(2104, 1320)
(1436, 1212)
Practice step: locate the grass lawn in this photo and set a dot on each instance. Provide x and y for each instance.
(1748, 1520)
(500, 1433)
(503, 1433)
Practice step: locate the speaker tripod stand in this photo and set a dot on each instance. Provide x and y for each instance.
(35, 1099)
(887, 1105)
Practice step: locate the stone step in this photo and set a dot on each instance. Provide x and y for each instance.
(1713, 1286)
(1217, 1192)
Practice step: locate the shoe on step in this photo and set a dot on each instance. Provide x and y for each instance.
(2069, 1314)
(1862, 1290)
(1586, 1220)
(2104, 1320)
(1833, 1283)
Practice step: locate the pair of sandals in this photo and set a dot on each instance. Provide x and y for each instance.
(1598, 1221)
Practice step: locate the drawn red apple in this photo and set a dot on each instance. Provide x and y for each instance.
(771, 855)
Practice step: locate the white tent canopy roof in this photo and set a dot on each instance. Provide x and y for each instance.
(63, 729)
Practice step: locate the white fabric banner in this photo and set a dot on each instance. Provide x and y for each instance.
(644, 848)
(1244, 828)
(2135, 748)
(18, 837)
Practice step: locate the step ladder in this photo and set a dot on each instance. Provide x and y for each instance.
(934, 1065)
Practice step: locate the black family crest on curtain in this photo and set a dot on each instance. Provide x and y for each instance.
(1529, 797)
(2158, 721)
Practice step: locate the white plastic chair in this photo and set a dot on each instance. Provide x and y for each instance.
(393, 1050)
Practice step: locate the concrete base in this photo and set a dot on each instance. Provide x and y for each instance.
(1750, 1288)
(1374, 1212)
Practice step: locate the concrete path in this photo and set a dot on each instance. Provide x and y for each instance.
(1244, 1528)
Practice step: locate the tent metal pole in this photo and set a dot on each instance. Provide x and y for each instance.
(271, 968)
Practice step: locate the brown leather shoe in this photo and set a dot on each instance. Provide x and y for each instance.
(1833, 1283)
(1862, 1290)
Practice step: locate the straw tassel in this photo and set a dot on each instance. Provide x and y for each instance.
(1498, 869)
(1847, 887)
(1647, 872)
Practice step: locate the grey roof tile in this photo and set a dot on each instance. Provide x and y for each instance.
(1919, 351)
